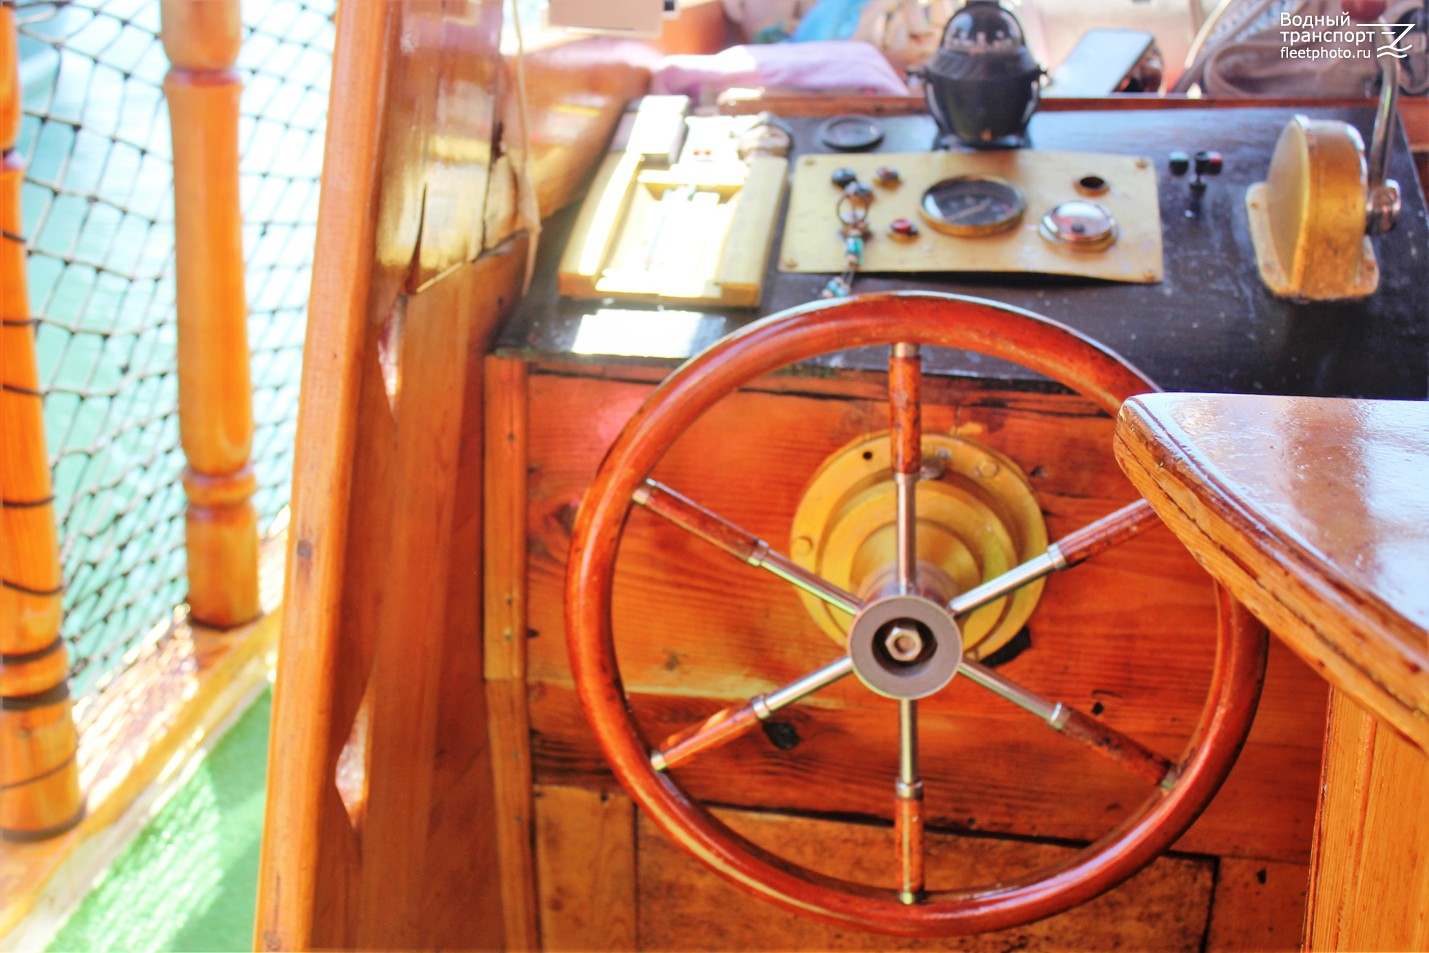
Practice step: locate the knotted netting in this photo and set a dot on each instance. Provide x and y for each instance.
(98, 216)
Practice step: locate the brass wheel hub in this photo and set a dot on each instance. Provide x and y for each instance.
(977, 518)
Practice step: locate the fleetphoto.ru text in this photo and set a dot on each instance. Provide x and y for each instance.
(1335, 37)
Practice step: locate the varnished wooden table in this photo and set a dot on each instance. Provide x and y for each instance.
(1315, 513)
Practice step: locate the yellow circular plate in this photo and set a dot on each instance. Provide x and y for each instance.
(977, 518)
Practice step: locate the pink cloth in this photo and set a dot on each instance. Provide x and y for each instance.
(823, 65)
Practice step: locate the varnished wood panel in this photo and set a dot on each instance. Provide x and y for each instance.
(1370, 878)
(427, 838)
(1312, 512)
(1127, 635)
(990, 770)
(1259, 907)
(385, 572)
(683, 906)
(504, 645)
(308, 846)
(585, 852)
(387, 538)
(417, 871)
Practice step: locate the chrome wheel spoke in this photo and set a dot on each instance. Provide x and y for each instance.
(905, 426)
(729, 723)
(1099, 736)
(908, 806)
(1074, 548)
(738, 542)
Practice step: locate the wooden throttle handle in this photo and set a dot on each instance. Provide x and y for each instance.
(908, 835)
(1111, 530)
(1109, 742)
(687, 514)
(905, 398)
(721, 727)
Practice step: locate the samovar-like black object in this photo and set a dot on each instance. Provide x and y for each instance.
(982, 83)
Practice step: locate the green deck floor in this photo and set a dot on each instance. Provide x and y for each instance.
(188, 881)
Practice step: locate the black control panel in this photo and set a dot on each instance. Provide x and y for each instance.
(1211, 325)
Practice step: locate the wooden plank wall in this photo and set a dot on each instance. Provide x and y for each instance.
(1182, 902)
(1128, 635)
(1370, 876)
(385, 568)
(382, 811)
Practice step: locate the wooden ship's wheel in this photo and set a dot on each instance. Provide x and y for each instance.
(907, 630)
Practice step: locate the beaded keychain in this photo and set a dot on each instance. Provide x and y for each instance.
(852, 211)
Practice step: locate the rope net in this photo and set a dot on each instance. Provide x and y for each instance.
(99, 225)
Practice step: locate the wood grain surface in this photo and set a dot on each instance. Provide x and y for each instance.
(1259, 906)
(309, 852)
(585, 853)
(1369, 882)
(685, 907)
(1313, 511)
(385, 572)
(591, 842)
(504, 645)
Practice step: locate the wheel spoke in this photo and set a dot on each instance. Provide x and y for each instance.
(1071, 550)
(1097, 735)
(905, 413)
(740, 543)
(908, 806)
(729, 723)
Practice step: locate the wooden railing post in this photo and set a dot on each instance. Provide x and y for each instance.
(39, 780)
(202, 39)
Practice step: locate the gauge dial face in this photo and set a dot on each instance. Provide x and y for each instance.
(971, 205)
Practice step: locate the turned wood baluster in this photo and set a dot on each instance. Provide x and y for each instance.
(39, 780)
(202, 39)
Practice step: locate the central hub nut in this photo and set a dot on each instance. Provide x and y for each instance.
(904, 642)
(905, 646)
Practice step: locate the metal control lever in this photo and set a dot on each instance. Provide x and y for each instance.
(1323, 195)
(1382, 196)
(1208, 162)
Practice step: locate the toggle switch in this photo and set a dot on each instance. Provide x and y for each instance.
(1208, 163)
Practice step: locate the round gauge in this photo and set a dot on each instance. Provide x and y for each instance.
(1079, 225)
(972, 205)
(851, 133)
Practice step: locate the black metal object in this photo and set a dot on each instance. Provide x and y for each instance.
(982, 83)
(1211, 325)
(851, 133)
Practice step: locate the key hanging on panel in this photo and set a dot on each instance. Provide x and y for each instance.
(852, 211)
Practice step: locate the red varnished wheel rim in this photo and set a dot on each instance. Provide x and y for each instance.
(797, 335)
